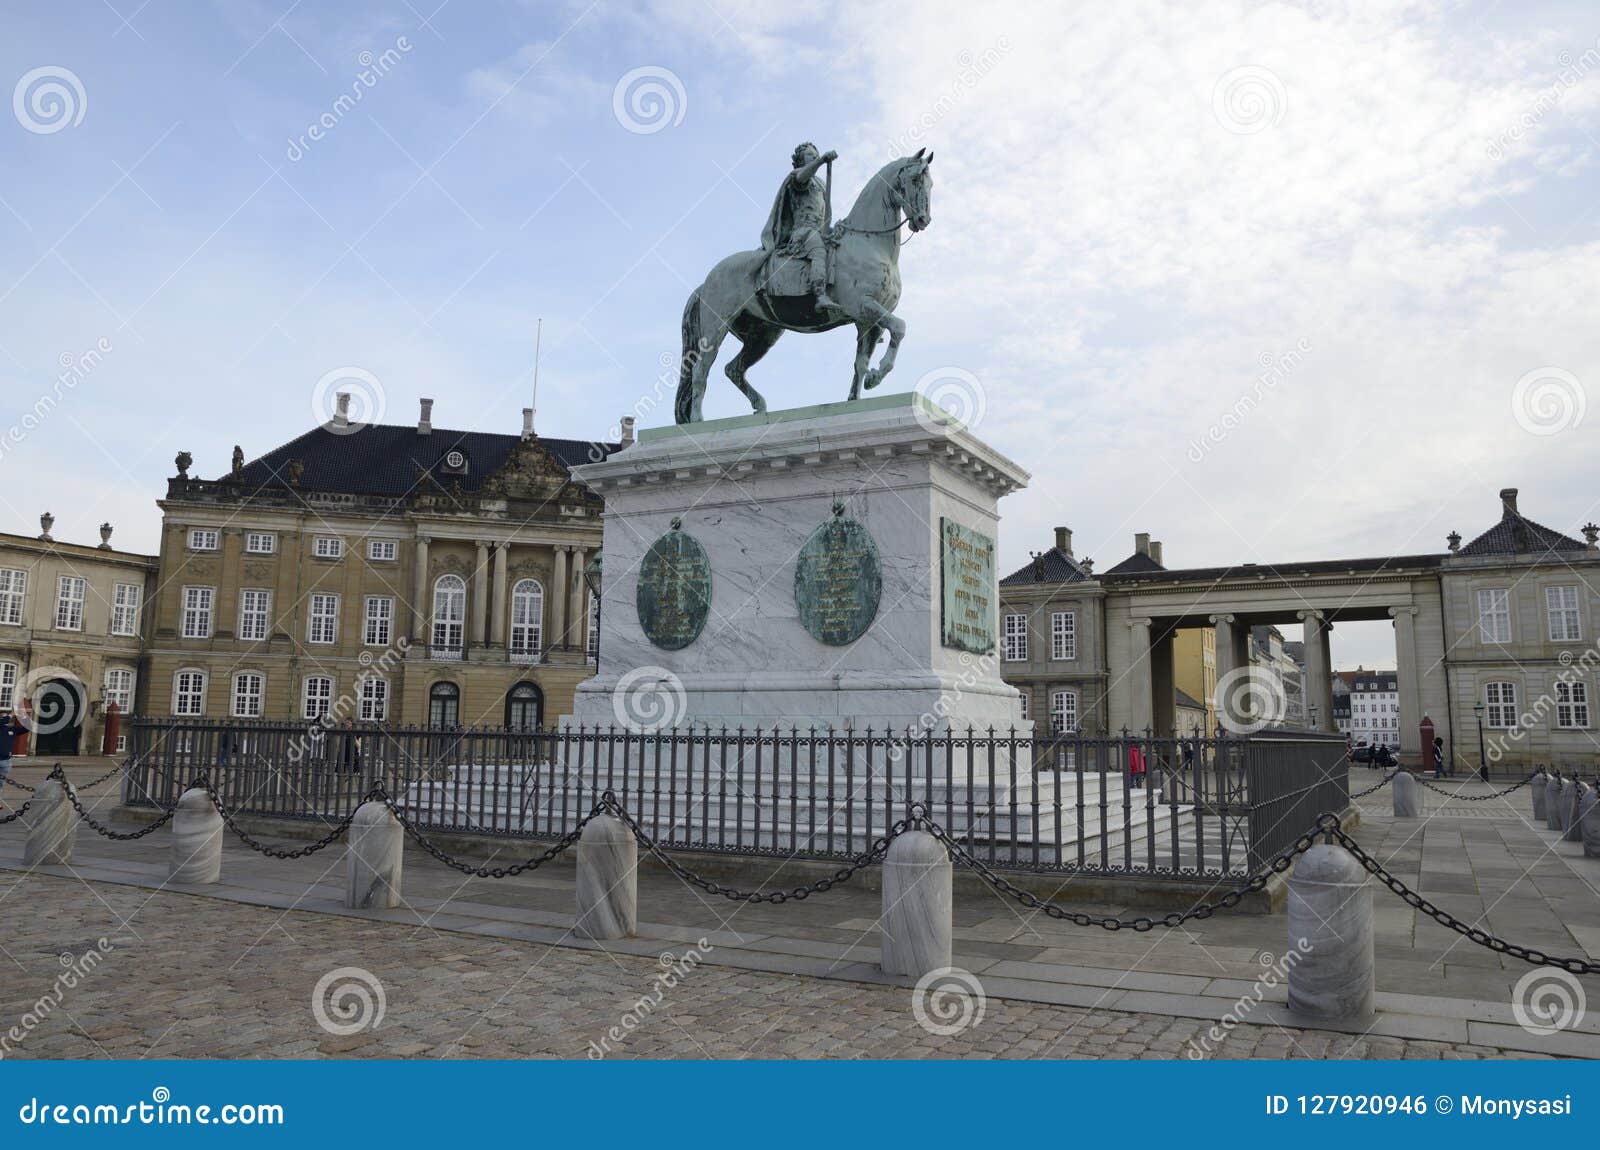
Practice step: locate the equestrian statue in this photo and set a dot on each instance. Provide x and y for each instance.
(810, 274)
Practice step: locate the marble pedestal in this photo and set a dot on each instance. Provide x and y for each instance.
(52, 826)
(1407, 796)
(196, 852)
(374, 859)
(607, 887)
(916, 927)
(751, 491)
(1330, 932)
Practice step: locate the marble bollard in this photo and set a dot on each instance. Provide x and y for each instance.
(1552, 803)
(196, 840)
(1330, 930)
(52, 826)
(1571, 819)
(1558, 817)
(374, 858)
(1589, 820)
(608, 880)
(1537, 789)
(1407, 799)
(916, 927)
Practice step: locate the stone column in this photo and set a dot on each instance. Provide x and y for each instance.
(1315, 688)
(1536, 789)
(420, 608)
(1227, 662)
(1572, 817)
(374, 858)
(558, 601)
(196, 855)
(1552, 800)
(1141, 689)
(608, 880)
(1409, 683)
(498, 597)
(1327, 661)
(915, 928)
(54, 828)
(1330, 933)
(480, 595)
(1589, 822)
(577, 621)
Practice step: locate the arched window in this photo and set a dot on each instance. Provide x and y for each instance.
(189, 692)
(444, 706)
(318, 696)
(1063, 712)
(527, 621)
(248, 687)
(449, 614)
(525, 707)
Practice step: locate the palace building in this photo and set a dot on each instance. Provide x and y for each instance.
(402, 574)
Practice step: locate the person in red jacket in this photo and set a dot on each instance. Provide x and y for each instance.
(1136, 766)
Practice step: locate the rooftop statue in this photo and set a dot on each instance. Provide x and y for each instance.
(809, 274)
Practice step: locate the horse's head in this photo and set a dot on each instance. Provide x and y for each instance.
(913, 189)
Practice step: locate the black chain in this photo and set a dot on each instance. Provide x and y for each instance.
(19, 786)
(534, 863)
(844, 874)
(1445, 918)
(81, 786)
(16, 814)
(1481, 798)
(261, 847)
(1383, 782)
(100, 828)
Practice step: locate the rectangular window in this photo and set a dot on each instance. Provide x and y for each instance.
(69, 603)
(8, 686)
(125, 608)
(383, 550)
(1064, 635)
(374, 700)
(324, 621)
(327, 547)
(260, 542)
(318, 696)
(13, 588)
(1500, 704)
(1016, 639)
(592, 649)
(255, 613)
(203, 539)
(1063, 712)
(1561, 603)
(197, 612)
(118, 688)
(380, 621)
(1572, 704)
(1022, 699)
(247, 695)
(189, 693)
(1494, 615)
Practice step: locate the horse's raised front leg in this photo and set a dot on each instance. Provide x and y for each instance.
(757, 338)
(897, 332)
(867, 337)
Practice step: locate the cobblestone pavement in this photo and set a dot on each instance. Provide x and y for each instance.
(192, 977)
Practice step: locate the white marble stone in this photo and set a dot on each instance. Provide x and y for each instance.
(607, 886)
(374, 858)
(52, 826)
(1537, 789)
(196, 851)
(1571, 823)
(1330, 932)
(916, 926)
(751, 491)
(1552, 802)
(1407, 796)
(1589, 821)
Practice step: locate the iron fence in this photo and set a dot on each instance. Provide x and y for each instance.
(1185, 807)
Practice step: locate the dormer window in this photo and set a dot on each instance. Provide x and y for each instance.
(454, 462)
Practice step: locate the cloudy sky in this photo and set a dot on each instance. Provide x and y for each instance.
(1269, 281)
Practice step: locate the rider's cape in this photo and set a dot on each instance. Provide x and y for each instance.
(778, 218)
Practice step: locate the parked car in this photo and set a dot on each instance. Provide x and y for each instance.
(1379, 756)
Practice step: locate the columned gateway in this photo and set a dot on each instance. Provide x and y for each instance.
(830, 566)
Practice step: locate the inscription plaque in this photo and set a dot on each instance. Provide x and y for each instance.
(838, 581)
(967, 589)
(674, 593)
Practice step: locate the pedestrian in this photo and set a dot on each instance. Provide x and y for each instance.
(1136, 766)
(351, 750)
(9, 730)
(1440, 768)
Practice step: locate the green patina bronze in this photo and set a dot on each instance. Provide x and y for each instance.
(838, 581)
(674, 594)
(968, 589)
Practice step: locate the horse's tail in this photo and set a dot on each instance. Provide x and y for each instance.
(690, 358)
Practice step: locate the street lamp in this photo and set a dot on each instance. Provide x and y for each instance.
(1483, 757)
(591, 576)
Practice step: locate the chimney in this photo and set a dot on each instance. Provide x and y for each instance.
(1141, 543)
(425, 420)
(1155, 551)
(1064, 540)
(341, 415)
(1508, 501)
(627, 430)
(105, 537)
(527, 423)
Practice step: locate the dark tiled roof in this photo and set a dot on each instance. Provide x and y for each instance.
(1136, 564)
(386, 460)
(1053, 566)
(1184, 699)
(1122, 572)
(1516, 534)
